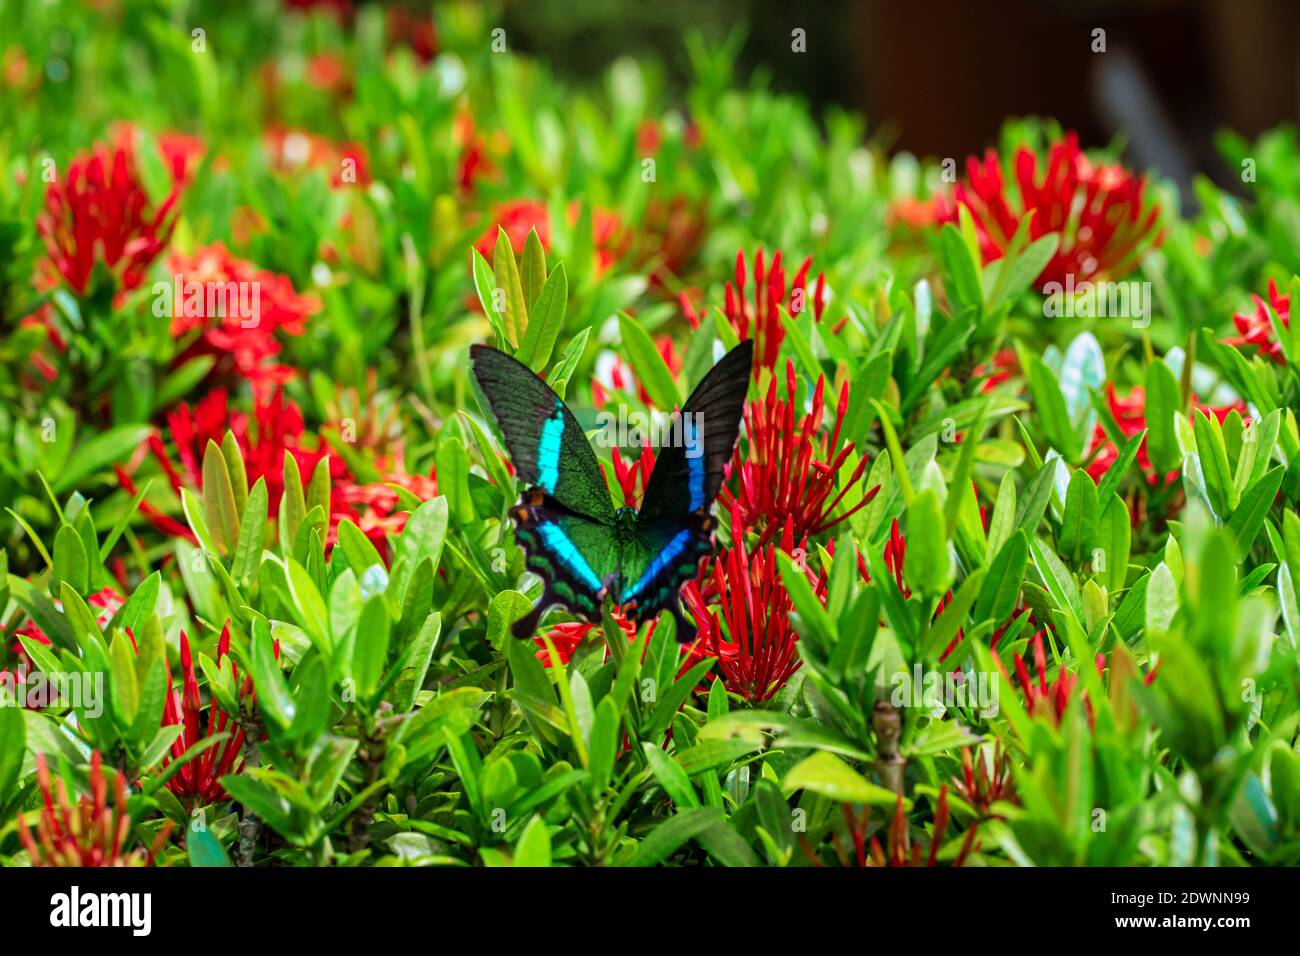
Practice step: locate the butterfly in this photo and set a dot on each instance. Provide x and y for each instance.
(584, 549)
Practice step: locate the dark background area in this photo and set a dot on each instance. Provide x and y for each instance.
(938, 77)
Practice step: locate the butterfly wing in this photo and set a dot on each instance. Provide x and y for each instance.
(658, 560)
(674, 528)
(564, 518)
(545, 441)
(576, 558)
(689, 469)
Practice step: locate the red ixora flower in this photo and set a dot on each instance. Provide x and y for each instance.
(790, 467)
(1256, 329)
(761, 318)
(100, 211)
(376, 507)
(88, 832)
(1130, 415)
(566, 637)
(274, 428)
(230, 309)
(1052, 699)
(1099, 211)
(899, 850)
(756, 651)
(200, 778)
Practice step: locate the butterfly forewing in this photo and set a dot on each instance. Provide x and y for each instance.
(689, 469)
(545, 441)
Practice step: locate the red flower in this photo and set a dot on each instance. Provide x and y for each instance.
(375, 507)
(292, 150)
(199, 779)
(274, 428)
(567, 636)
(1257, 330)
(984, 782)
(756, 651)
(899, 850)
(99, 211)
(1099, 212)
(236, 309)
(998, 369)
(760, 319)
(1044, 698)
(1130, 416)
(790, 465)
(89, 832)
(632, 476)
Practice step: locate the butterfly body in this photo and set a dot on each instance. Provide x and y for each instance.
(586, 551)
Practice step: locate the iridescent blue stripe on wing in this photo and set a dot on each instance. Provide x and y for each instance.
(566, 552)
(671, 552)
(695, 463)
(548, 450)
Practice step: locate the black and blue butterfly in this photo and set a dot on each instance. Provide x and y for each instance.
(585, 550)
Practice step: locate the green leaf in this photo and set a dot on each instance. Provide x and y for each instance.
(252, 529)
(309, 607)
(1163, 405)
(71, 563)
(532, 272)
(1214, 464)
(219, 507)
(416, 667)
(534, 846)
(505, 272)
(1001, 585)
(370, 650)
(1079, 520)
(1253, 509)
(13, 745)
(647, 364)
(204, 849)
(114, 445)
(545, 321)
(1115, 531)
(1053, 415)
(485, 285)
(665, 839)
(670, 776)
(1060, 583)
(927, 566)
(422, 538)
(828, 775)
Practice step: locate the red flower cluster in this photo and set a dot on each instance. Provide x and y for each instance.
(791, 467)
(88, 832)
(756, 651)
(100, 211)
(1130, 416)
(761, 318)
(234, 310)
(200, 778)
(1100, 212)
(1256, 329)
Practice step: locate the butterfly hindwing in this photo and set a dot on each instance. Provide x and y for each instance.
(576, 558)
(658, 560)
(545, 441)
(689, 469)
